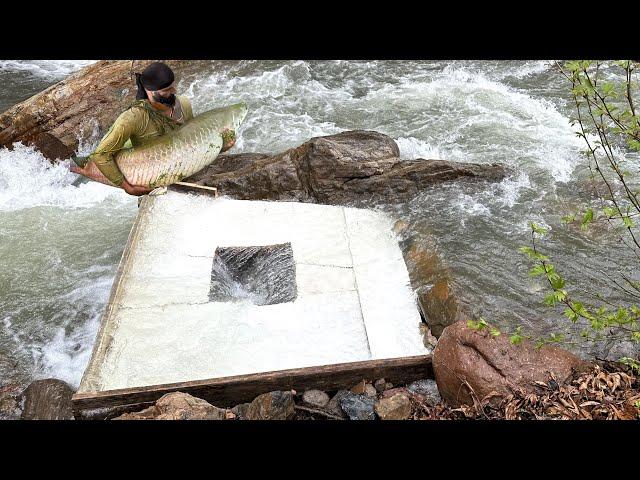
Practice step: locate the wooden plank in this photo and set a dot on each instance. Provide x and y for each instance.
(197, 186)
(230, 391)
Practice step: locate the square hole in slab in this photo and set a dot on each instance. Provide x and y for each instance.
(264, 275)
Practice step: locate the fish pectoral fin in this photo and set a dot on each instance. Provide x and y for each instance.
(158, 191)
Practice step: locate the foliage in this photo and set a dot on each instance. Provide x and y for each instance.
(609, 123)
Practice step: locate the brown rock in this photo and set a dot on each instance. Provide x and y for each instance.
(335, 169)
(94, 96)
(467, 360)
(272, 406)
(370, 391)
(315, 398)
(431, 280)
(359, 388)
(10, 399)
(48, 399)
(380, 385)
(396, 407)
(179, 406)
(241, 410)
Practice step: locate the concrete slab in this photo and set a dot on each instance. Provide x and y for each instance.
(352, 297)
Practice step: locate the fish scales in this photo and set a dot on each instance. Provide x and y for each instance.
(178, 154)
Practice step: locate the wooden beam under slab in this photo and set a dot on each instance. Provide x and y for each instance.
(229, 391)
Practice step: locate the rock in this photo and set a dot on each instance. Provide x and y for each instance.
(334, 404)
(48, 399)
(466, 358)
(379, 385)
(358, 407)
(10, 402)
(431, 280)
(395, 391)
(241, 410)
(370, 391)
(388, 386)
(337, 170)
(397, 407)
(315, 398)
(91, 98)
(428, 389)
(359, 388)
(272, 406)
(179, 406)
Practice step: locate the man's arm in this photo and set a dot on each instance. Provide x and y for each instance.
(125, 125)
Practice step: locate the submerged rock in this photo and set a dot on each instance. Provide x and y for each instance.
(10, 402)
(48, 399)
(396, 407)
(272, 406)
(358, 407)
(468, 361)
(179, 406)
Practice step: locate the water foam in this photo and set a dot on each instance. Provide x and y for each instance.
(49, 69)
(28, 179)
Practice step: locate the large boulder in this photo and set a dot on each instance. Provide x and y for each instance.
(48, 399)
(179, 406)
(89, 99)
(336, 169)
(474, 362)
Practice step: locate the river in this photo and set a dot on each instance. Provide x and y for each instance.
(61, 238)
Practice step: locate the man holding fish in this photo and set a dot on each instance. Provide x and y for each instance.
(156, 111)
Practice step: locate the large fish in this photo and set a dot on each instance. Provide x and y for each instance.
(171, 157)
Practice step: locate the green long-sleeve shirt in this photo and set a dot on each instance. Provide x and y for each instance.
(133, 127)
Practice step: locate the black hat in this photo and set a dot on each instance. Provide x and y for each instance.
(156, 76)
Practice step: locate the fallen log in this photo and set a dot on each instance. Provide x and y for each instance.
(91, 98)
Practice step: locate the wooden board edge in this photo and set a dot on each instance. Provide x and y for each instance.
(225, 392)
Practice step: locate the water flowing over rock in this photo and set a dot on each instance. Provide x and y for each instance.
(472, 363)
(91, 98)
(336, 169)
(48, 399)
(179, 406)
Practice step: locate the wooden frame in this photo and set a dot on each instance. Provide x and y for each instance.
(230, 391)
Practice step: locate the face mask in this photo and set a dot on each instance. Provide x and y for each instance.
(171, 100)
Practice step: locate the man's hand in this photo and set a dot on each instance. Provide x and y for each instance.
(134, 189)
(228, 138)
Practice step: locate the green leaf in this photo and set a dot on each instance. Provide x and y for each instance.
(537, 228)
(537, 271)
(494, 332)
(627, 222)
(587, 218)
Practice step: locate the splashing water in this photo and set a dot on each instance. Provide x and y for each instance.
(61, 239)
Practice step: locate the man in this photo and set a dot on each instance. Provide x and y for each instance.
(156, 111)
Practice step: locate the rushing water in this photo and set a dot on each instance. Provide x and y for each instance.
(61, 239)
